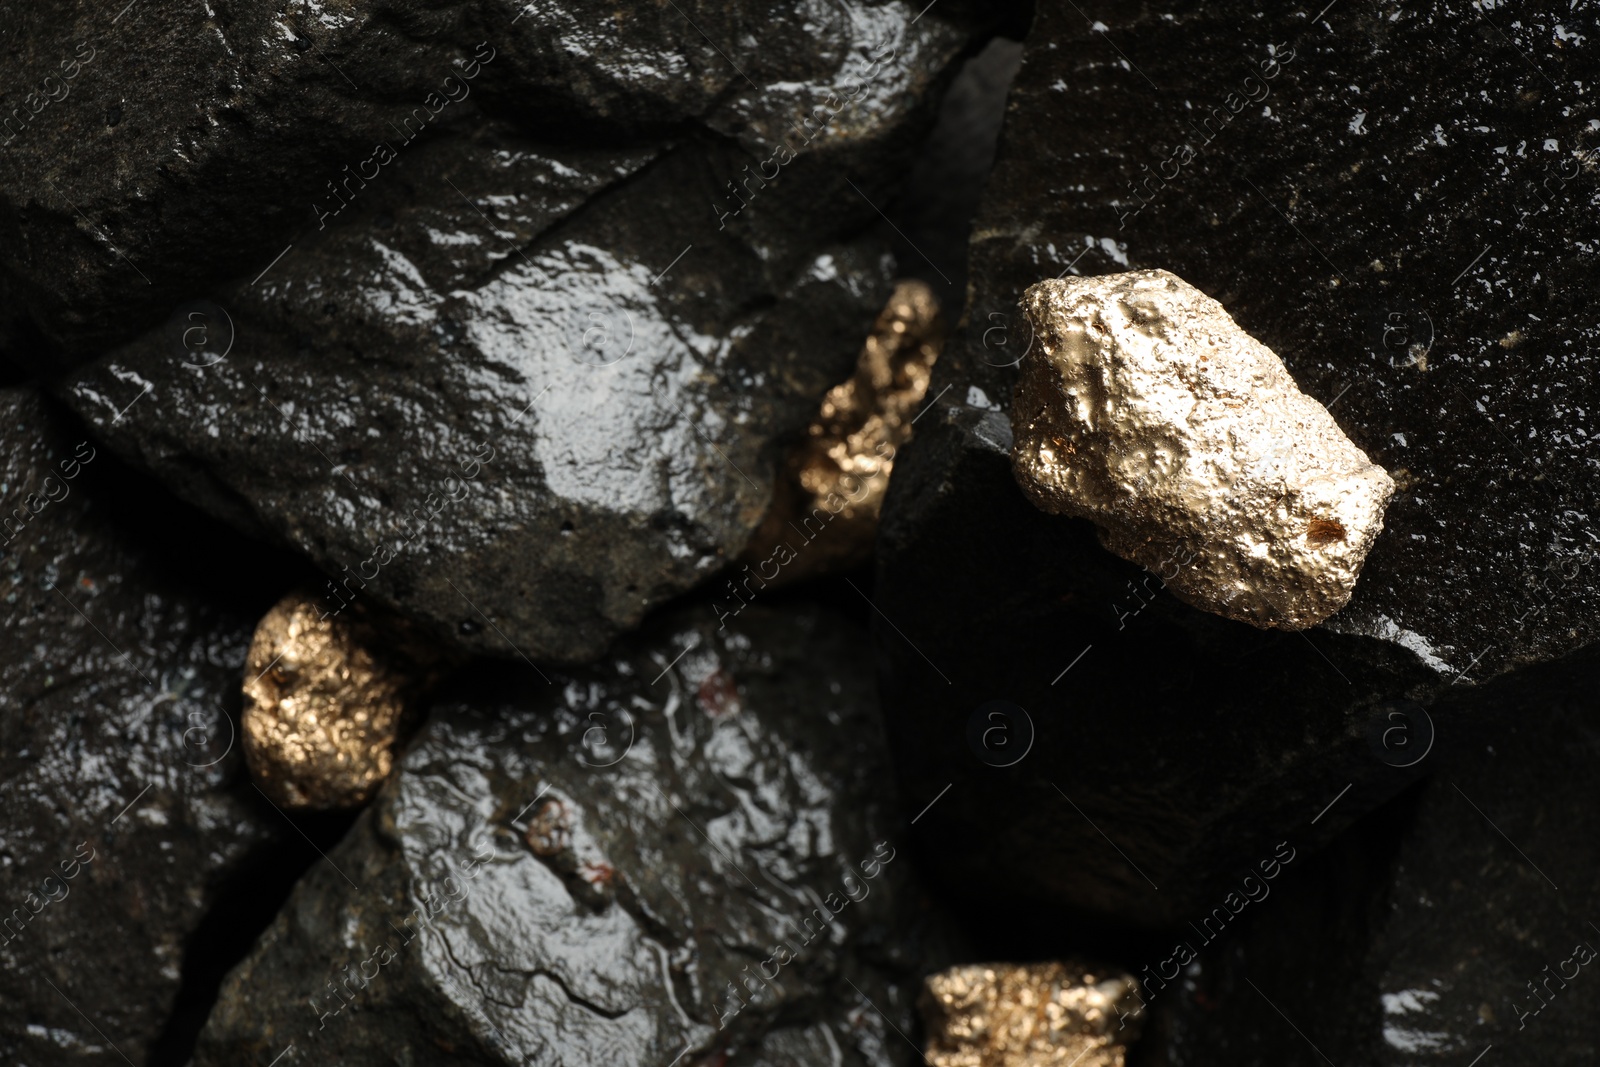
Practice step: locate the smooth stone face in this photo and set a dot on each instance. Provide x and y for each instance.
(119, 827)
(948, 176)
(618, 865)
(525, 389)
(1145, 409)
(152, 152)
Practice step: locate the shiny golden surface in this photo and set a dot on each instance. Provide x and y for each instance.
(1034, 1015)
(826, 504)
(325, 699)
(1144, 408)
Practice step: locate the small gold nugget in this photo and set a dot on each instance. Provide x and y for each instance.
(1033, 1015)
(325, 699)
(832, 487)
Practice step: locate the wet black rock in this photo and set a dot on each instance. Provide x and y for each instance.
(1460, 917)
(525, 373)
(118, 823)
(1301, 182)
(153, 150)
(681, 855)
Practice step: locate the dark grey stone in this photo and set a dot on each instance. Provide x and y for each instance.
(947, 179)
(151, 151)
(605, 851)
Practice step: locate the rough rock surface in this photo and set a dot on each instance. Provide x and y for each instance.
(1027, 1015)
(1143, 408)
(1429, 921)
(525, 371)
(327, 696)
(1190, 745)
(117, 823)
(586, 869)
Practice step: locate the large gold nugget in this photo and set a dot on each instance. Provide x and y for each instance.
(326, 696)
(1143, 407)
(1034, 1015)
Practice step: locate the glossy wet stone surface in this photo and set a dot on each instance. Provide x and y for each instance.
(573, 870)
(119, 820)
(524, 379)
(174, 145)
(507, 317)
(1170, 749)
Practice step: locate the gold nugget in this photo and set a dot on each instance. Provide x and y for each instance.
(827, 499)
(1033, 1015)
(325, 699)
(1144, 408)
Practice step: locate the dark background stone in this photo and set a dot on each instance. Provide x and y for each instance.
(1405, 219)
(592, 307)
(192, 144)
(946, 181)
(1413, 939)
(1190, 741)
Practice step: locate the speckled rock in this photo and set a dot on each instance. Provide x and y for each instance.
(524, 373)
(1379, 256)
(118, 829)
(619, 865)
(1171, 748)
